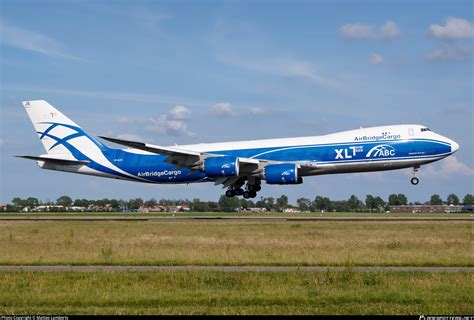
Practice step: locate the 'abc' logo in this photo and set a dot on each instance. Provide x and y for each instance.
(381, 150)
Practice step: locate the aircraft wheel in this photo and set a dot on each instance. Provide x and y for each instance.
(239, 192)
(253, 194)
(230, 193)
(414, 181)
(246, 194)
(254, 187)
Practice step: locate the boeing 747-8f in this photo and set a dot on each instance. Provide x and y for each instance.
(239, 166)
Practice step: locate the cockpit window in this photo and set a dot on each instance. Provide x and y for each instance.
(425, 129)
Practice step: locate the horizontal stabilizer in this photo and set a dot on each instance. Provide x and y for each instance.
(65, 162)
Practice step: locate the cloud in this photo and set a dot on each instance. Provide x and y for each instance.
(283, 67)
(179, 113)
(449, 167)
(375, 59)
(163, 125)
(242, 45)
(354, 31)
(33, 41)
(299, 68)
(222, 109)
(451, 52)
(123, 120)
(114, 95)
(454, 28)
(453, 31)
(257, 111)
(148, 18)
(173, 123)
(388, 31)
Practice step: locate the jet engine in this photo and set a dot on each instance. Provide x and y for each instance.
(221, 166)
(285, 173)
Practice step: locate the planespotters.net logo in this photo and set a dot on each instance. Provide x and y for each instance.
(434, 317)
(381, 150)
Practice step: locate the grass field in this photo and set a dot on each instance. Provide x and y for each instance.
(237, 243)
(414, 243)
(208, 292)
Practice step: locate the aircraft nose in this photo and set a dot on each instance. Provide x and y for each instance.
(454, 146)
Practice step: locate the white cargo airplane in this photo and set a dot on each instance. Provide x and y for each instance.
(239, 166)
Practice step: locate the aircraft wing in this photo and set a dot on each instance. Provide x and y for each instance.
(307, 165)
(183, 158)
(193, 160)
(152, 148)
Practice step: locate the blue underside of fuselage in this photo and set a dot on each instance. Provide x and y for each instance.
(152, 168)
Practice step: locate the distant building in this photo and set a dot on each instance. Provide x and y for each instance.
(97, 208)
(291, 210)
(178, 209)
(3, 207)
(184, 209)
(159, 208)
(255, 210)
(76, 209)
(145, 209)
(425, 208)
(44, 208)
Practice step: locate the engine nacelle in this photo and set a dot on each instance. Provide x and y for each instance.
(285, 173)
(221, 166)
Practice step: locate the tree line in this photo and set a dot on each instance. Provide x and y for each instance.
(226, 204)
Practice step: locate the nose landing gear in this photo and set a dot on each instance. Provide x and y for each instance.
(414, 181)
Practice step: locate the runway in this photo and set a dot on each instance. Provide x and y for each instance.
(237, 219)
(236, 268)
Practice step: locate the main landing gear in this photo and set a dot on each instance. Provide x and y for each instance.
(414, 181)
(251, 189)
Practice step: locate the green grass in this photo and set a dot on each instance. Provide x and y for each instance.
(212, 292)
(411, 243)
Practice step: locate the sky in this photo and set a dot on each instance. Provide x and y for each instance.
(186, 72)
